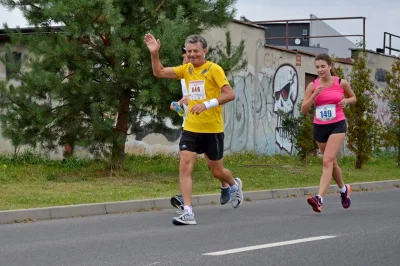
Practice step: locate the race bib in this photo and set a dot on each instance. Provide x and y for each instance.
(197, 90)
(326, 112)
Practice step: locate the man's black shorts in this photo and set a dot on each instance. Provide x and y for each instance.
(322, 132)
(212, 144)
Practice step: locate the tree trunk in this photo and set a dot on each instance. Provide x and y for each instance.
(68, 151)
(70, 139)
(358, 162)
(398, 150)
(69, 146)
(118, 149)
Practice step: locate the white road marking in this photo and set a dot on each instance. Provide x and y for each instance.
(277, 244)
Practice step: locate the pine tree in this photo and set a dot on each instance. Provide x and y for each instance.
(229, 57)
(337, 69)
(393, 94)
(300, 130)
(360, 116)
(90, 80)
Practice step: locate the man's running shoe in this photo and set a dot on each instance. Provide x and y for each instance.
(237, 195)
(177, 202)
(184, 219)
(225, 195)
(315, 203)
(345, 197)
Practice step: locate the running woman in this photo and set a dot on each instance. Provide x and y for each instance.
(327, 93)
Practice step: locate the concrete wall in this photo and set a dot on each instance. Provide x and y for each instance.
(338, 46)
(380, 64)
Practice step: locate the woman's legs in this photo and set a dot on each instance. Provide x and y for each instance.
(330, 168)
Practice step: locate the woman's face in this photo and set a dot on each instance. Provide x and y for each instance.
(323, 69)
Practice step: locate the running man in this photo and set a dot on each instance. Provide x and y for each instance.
(208, 89)
(177, 200)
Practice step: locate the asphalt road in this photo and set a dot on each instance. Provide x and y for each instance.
(271, 232)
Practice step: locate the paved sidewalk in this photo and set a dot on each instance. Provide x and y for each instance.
(26, 215)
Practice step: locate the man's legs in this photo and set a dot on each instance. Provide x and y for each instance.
(213, 146)
(218, 171)
(186, 164)
(225, 188)
(223, 183)
(178, 202)
(189, 147)
(225, 177)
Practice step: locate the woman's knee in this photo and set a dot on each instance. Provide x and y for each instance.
(328, 161)
(335, 164)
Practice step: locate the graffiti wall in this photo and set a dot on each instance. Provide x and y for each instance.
(380, 65)
(258, 126)
(382, 114)
(273, 82)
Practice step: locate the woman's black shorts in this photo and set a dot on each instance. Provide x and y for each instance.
(322, 132)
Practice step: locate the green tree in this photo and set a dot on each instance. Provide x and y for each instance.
(361, 135)
(229, 57)
(393, 94)
(300, 129)
(90, 81)
(337, 69)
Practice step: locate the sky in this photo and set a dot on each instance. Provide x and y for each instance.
(380, 15)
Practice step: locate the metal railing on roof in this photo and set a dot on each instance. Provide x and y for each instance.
(390, 48)
(287, 37)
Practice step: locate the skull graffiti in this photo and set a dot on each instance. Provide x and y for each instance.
(285, 91)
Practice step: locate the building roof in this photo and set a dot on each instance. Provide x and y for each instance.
(5, 37)
(250, 23)
(374, 52)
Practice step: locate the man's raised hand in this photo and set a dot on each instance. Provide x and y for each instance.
(152, 44)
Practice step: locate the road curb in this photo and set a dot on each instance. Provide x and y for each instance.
(58, 212)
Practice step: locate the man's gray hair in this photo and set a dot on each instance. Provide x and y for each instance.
(195, 39)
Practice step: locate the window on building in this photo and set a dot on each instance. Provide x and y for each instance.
(305, 34)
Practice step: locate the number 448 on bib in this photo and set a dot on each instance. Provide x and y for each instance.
(197, 90)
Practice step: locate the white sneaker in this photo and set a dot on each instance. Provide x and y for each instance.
(184, 219)
(237, 195)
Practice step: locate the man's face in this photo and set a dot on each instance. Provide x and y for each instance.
(195, 53)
